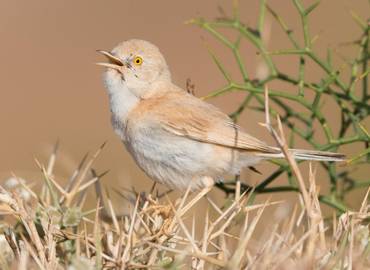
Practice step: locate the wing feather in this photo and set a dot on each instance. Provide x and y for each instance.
(188, 116)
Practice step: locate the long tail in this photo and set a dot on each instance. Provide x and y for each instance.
(302, 154)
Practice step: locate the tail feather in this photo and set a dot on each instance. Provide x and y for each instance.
(302, 154)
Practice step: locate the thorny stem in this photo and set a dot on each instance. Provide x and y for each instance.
(351, 98)
(230, 189)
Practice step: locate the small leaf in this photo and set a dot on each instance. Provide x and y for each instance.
(299, 6)
(358, 20)
(219, 65)
(166, 262)
(72, 217)
(329, 58)
(312, 7)
(288, 52)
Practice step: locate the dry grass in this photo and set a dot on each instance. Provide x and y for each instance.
(50, 230)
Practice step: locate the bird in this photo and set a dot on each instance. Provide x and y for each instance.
(177, 139)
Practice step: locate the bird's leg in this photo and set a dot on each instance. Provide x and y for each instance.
(237, 187)
(207, 182)
(154, 185)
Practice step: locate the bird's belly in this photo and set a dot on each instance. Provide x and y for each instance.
(172, 160)
(180, 161)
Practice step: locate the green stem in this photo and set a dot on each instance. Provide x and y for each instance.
(261, 18)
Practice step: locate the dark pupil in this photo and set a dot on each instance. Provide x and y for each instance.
(137, 61)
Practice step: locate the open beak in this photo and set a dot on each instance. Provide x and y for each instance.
(114, 62)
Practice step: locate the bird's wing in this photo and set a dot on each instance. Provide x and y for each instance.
(188, 116)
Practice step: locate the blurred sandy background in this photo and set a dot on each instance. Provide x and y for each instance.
(50, 87)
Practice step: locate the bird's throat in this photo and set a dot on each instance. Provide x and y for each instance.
(122, 101)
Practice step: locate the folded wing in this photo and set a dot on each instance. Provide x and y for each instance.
(192, 118)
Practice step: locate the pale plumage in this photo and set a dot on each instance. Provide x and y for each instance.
(176, 138)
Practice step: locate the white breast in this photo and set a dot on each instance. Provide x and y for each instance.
(121, 100)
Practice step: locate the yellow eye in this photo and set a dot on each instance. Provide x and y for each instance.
(138, 60)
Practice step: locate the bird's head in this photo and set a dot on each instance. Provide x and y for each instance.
(135, 65)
